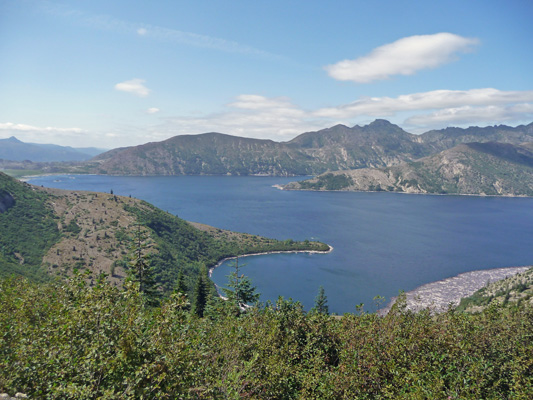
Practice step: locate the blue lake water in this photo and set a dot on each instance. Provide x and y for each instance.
(383, 242)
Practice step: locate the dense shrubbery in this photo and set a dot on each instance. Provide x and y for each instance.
(71, 341)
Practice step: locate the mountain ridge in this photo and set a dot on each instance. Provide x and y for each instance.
(378, 144)
(491, 168)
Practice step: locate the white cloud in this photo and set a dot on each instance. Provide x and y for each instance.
(402, 57)
(152, 110)
(135, 86)
(10, 126)
(142, 31)
(279, 119)
(470, 115)
(437, 99)
(249, 116)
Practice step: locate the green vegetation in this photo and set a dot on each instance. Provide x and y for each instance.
(321, 302)
(27, 230)
(240, 291)
(72, 341)
(327, 182)
(19, 173)
(140, 271)
(508, 292)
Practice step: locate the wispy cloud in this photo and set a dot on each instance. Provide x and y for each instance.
(153, 110)
(405, 56)
(108, 23)
(134, 86)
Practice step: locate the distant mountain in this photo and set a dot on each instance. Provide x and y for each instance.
(15, 150)
(379, 144)
(340, 147)
(490, 168)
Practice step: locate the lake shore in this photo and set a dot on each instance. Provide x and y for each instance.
(438, 295)
(218, 264)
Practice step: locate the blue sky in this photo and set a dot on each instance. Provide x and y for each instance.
(120, 73)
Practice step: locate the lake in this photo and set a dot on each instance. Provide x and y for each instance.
(383, 242)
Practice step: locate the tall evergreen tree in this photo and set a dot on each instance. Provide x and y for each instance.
(180, 286)
(140, 270)
(240, 291)
(201, 293)
(321, 302)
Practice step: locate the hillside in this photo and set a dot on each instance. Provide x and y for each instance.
(50, 232)
(474, 168)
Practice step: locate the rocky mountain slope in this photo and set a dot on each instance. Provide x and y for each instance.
(473, 168)
(438, 140)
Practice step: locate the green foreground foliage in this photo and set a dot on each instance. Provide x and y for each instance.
(69, 340)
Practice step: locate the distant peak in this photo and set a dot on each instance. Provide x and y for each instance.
(14, 139)
(380, 122)
(339, 126)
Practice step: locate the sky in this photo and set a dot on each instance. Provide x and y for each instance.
(120, 73)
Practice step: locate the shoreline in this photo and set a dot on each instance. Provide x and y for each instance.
(220, 262)
(525, 196)
(438, 295)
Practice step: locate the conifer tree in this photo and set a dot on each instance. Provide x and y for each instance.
(201, 293)
(240, 292)
(180, 286)
(321, 302)
(139, 270)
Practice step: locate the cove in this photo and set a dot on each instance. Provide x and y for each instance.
(383, 242)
